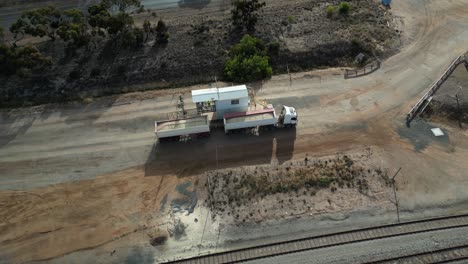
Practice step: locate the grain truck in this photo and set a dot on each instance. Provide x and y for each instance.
(182, 129)
(260, 119)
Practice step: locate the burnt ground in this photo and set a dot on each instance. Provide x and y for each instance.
(443, 107)
(198, 47)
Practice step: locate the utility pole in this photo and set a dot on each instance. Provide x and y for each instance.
(459, 111)
(395, 194)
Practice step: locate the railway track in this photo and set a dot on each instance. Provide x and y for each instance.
(446, 255)
(329, 240)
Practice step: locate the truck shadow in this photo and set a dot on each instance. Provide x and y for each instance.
(220, 151)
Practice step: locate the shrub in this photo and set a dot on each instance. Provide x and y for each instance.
(247, 61)
(162, 36)
(291, 19)
(344, 8)
(273, 48)
(330, 10)
(159, 240)
(245, 13)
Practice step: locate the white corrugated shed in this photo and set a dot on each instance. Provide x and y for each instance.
(233, 92)
(220, 94)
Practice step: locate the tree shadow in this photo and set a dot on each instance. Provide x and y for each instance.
(87, 113)
(16, 122)
(13, 125)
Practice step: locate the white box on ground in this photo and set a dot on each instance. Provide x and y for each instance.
(437, 132)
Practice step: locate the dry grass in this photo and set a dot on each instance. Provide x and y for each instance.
(294, 182)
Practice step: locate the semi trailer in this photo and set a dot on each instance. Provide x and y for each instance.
(199, 126)
(180, 129)
(231, 105)
(265, 118)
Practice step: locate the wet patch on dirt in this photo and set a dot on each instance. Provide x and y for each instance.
(421, 136)
(188, 202)
(138, 256)
(444, 107)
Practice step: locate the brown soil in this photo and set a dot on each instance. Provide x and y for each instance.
(193, 55)
(142, 207)
(80, 215)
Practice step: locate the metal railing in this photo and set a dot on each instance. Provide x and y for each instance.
(425, 99)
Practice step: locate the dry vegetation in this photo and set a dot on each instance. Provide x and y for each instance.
(301, 35)
(242, 193)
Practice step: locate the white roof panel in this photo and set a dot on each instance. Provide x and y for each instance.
(204, 95)
(233, 92)
(215, 94)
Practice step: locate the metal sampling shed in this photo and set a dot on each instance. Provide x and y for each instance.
(222, 100)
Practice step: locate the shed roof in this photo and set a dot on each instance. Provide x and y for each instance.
(215, 94)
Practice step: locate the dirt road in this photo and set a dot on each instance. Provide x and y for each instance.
(112, 138)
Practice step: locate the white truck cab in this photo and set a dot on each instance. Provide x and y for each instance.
(288, 117)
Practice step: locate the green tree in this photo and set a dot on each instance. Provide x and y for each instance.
(102, 21)
(38, 23)
(248, 46)
(74, 28)
(21, 60)
(98, 16)
(248, 61)
(118, 23)
(132, 38)
(162, 35)
(245, 13)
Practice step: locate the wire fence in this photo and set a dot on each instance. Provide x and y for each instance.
(369, 68)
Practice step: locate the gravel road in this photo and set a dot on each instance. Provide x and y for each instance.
(58, 144)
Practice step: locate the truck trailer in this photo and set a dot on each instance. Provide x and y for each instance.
(265, 118)
(179, 129)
